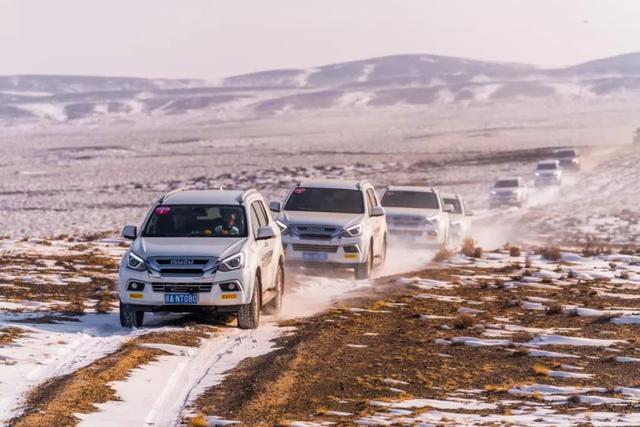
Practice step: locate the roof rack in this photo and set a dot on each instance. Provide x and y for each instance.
(162, 198)
(246, 194)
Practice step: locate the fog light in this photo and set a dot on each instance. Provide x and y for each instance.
(230, 287)
(351, 249)
(135, 286)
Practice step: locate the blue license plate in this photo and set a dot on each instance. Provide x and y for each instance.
(181, 299)
(314, 256)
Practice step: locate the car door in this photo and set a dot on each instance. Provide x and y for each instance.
(267, 246)
(377, 222)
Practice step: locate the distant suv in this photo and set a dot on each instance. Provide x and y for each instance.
(509, 191)
(417, 214)
(459, 218)
(568, 158)
(548, 172)
(203, 250)
(334, 222)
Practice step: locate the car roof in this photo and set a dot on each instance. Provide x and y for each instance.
(412, 188)
(205, 197)
(347, 184)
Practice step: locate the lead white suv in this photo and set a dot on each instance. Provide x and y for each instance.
(334, 222)
(203, 251)
(417, 214)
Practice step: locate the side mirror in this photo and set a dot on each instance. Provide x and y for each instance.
(377, 211)
(469, 213)
(265, 233)
(130, 232)
(275, 206)
(448, 208)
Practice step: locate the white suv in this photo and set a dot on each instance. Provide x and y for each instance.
(548, 172)
(509, 191)
(333, 222)
(459, 218)
(417, 214)
(203, 251)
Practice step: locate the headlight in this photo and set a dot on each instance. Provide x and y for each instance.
(537, 173)
(456, 223)
(282, 226)
(354, 231)
(494, 192)
(433, 220)
(234, 262)
(136, 262)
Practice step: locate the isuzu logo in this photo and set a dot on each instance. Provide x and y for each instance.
(181, 262)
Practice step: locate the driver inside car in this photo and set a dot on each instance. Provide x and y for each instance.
(228, 226)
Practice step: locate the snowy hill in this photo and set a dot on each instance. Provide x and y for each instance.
(400, 80)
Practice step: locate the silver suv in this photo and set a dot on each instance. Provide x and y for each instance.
(417, 215)
(203, 251)
(334, 222)
(509, 191)
(548, 172)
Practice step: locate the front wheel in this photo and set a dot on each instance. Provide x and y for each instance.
(249, 314)
(275, 305)
(129, 317)
(363, 271)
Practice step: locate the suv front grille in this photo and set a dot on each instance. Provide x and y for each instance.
(183, 266)
(317, 232)
(407, 221)
(314, 248)
(182, 287)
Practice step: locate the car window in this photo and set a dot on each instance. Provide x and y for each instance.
(411, 199)
(335, 200)
(255, 221)
(196, 221)
(371, 200)
(262, 213)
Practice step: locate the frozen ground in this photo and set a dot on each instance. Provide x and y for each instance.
(57, 317)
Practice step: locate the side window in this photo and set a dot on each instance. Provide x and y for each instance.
(262, 212)
(255, 221)
(370, 201)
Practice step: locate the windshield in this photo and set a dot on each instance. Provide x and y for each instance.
(547, 166)
(410, 199)
(457, 206)
(325, 200)
(196, 221)
(506, 183)
(567, 153)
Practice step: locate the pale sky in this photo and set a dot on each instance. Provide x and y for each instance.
(215, 38)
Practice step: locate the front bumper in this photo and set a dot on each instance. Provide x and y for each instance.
(209, 291)
(508, 199)
(547, 180)
(343, 251)
(420, 236)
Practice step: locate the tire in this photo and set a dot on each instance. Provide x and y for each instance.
(363, 271)
(249, 314)
(275, 305)
(130, 318)
(383, 254)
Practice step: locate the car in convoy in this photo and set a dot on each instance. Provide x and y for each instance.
(417, 215)
(333, 222)
(216, 251)
(509, 191)
(548, 172)
(568, 158)
(459, 217)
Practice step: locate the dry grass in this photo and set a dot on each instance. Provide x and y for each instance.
(554, 308)
(550, 253)
(468, 247)
(9, 335)
(515, 251)
(540, 370)
(198, 421)
(55, 402)
(443, 254)
(464, 321)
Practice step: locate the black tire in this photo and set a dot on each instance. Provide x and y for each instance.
(275, 305)
(130, 318)
(363, 271)
(249, 314)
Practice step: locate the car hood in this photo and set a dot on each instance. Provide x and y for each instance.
(187, 246)
(343, 220)
(506, 190)
(427, 213)
(547, 172)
